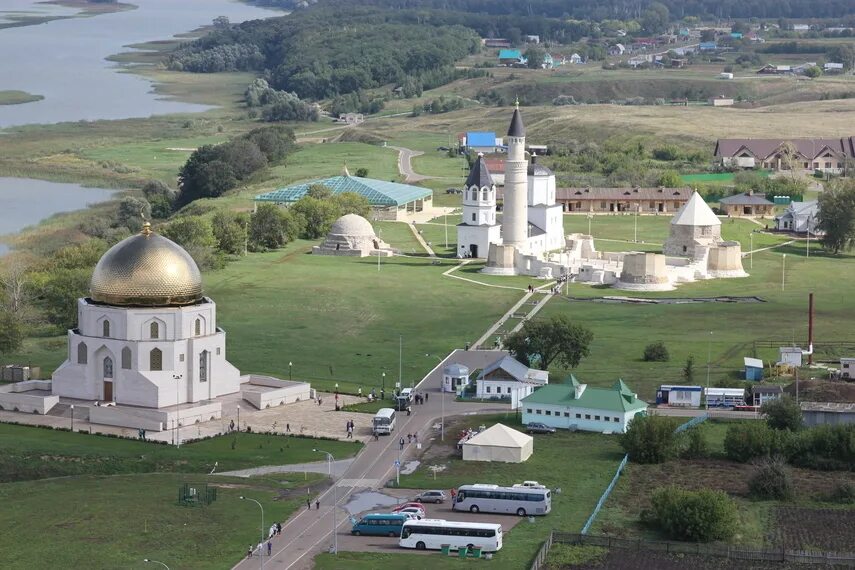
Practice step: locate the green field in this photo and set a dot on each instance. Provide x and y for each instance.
(116, 522)
(579, 464)
(716, 177)
(13, 97)
(36, 453)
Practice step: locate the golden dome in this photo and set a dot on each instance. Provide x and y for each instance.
(146, 270)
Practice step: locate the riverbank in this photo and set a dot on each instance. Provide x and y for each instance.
(84, 9)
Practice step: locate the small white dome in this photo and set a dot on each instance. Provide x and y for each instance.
(352, 225)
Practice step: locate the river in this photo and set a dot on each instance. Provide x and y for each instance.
(64, 61)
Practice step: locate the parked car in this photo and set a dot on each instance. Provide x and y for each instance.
(445, 148)
(539, 428)
(379, 525)
(431, 497)
(412, 511)
(530, 485)
(403, 506)
(410, 516)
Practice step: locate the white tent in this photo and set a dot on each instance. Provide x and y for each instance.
(499, 443)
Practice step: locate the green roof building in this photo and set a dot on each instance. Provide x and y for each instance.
(389, 200)
(574, 405)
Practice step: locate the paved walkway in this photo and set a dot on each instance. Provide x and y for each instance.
(338, 469)
(421, 240)
(309, 532)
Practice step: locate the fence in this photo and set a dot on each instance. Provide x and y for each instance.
(700, 549)
(540, 558)
(691, 423)
(605, 495)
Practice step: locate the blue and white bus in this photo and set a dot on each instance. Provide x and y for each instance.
(507, 500)
(432, 534)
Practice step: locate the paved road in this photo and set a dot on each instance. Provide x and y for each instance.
(309, 532)
(338, 468)
(405, 166)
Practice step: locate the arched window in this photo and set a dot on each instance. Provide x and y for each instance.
(484, 194)
(155, 359)
(198, 327)
(154, 330)
(126, 358)
(82, 354)
(203, 366)
(108, 367)
(106, 328)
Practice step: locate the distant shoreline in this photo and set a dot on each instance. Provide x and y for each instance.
(15, 97)
(87, 10)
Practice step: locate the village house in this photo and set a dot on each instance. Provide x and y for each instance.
(819, 413)
(496, 43)
(613, 200)
(760, 394)
(577, 406)
(747, 204)
(617, 49)
(827, 155)
(832, 67)
(479, 141)
(847, 368)
(508, 378)
(510, 57)
(799, 218)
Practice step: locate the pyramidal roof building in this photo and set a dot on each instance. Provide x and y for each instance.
(693, 228)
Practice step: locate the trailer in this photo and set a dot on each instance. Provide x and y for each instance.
(724, 397)
(679, 396)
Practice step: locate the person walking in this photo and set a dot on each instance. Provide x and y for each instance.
(401, 444)
(249, 552)
(376, 435)
(426, 397)
(416, 438)
(269, 547)
(287, 428)
(308, 504)
(278, 529)
(409, 438)
(317, 504)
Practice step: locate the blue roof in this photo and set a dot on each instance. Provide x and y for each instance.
(510, 54)
(377, 192)
(708, 45)
(477, 138)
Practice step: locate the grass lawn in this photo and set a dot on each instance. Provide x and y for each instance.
(116, 522)
(36, 453)
(339, 319)
(14, 97)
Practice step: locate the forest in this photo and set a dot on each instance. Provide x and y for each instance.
(597, 10)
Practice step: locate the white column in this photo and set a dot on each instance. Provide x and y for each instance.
(515, 216)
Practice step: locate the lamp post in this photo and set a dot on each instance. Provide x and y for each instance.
(290, 365)
(442, 402)
(335, 500)
(261, 553)
(72, 417)
(383, 388)
(150, 561)
(709, 358)
(751, 249)
(177, 377)
(590, 217)
(238, 410)
(783, 269)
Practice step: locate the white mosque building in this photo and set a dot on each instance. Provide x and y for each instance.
(146, 336)
(532, 223)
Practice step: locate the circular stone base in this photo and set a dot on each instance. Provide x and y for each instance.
(723, 274)
(499, 271)
(643, 286)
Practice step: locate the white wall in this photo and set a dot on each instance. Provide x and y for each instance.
(565, 416)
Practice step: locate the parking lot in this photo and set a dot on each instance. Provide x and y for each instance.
(348, 542)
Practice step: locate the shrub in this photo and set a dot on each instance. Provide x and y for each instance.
(650, 439)
(656, 352)
(696, 444)
(783, 413)
(771, 480)
(744, 442)
(843, 492)
(699, 516)
(826, 447)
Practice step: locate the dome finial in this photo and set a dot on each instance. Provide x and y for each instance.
(517, 102)
(146, 229)
(345, 170)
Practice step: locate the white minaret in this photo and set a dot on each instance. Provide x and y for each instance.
(515, 214)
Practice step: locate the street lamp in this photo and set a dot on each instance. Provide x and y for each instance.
(335, 499)
(261, 553)
(177, 377)
(72, 417)
(290, 365)
(383, 389)
(783, 269)
(238, 410)
(751, 249)
(709, 358)
(150, 561)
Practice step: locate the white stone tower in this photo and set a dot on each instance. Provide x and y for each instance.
(478, 229)
(515, 213)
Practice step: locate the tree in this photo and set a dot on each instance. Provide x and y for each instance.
(200, 178)
(707, 35)
(790, 158)
(318, 215)
(836, 216)
(271, 227)
(689, 369)
(14, 286)
(656, 352)
(230, 231)
(275, 142)
(669, 179)
(161, 198)
(362, 172)
(243, 156)
(783, 414)
(190, 232)
(842, 53)
(650, 439)
(11, 331)
(58, 290)
(695, 516)
(319, 191)
(133, 212)
(744, 442)
(542, 341)
(813, 71)
(535, 57)
(696, 444)
(352, 203)
(655, 18)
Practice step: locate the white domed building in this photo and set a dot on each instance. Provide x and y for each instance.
(352, 235)
(146, 335)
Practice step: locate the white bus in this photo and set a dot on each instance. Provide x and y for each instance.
(384, 421)
(432, 534)
(509, 500)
